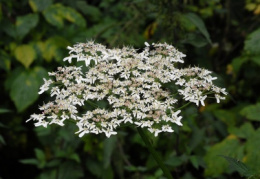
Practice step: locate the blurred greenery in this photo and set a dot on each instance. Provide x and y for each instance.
(216, 141)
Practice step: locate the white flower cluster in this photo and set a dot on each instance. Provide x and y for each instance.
(133, 84)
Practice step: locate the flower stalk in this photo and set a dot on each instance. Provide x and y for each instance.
(155, 154)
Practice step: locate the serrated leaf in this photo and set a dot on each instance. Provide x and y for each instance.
(216, 166)
(39, 5)
(198, 22)
(238, 166)
(252, 43)
(25, 54)
(24, 89)
(252, 112)
(25, 23)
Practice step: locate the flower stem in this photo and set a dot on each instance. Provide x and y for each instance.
(154, 153)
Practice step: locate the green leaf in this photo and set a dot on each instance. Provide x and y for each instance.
(196, 40)
(216, 166)
(3, 110)
(175, 161)
(195, 161)
(72, 16)
(256, 59)
(196, 138)
(252, 43)
(68, 170)
(2, 140)
(39, 5)
(227, 116)
(94, 167)
(41, 157)
(31, 161)
(252, 112)
(238, 62)
(24, 89)
(198, 22)
(25, 54)
(25, 23)
(55, 14)
(74, 157)
(92, 11)
(53, 48)
(109, 145)
(238, 166)
(5, 62)
(245, 131)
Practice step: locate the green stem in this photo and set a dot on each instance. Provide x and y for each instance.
(154, 153)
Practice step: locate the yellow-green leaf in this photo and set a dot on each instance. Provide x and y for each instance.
(25, 54)
(72, 16)
(39, 5)
(56, 13)
(217, 165)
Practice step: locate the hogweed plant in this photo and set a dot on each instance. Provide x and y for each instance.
(133, 84)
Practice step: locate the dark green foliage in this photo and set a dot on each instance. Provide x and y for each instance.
(223, 36)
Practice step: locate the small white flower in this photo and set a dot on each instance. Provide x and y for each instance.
(131, 87)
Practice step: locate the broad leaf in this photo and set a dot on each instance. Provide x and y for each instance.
(53, 16)
(56, 13)
(252, 43)
(215, 165)
(72, 16)
(237, 63)
(256, 59)
(24, 89)
(25, 23)
(238, 166)
(25, 54)
(252, 112)
(198, 22)
(39, 5)
(5, 62)
(245, 131)
(252, 158)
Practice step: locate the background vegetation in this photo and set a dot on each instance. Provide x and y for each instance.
(223, 36)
